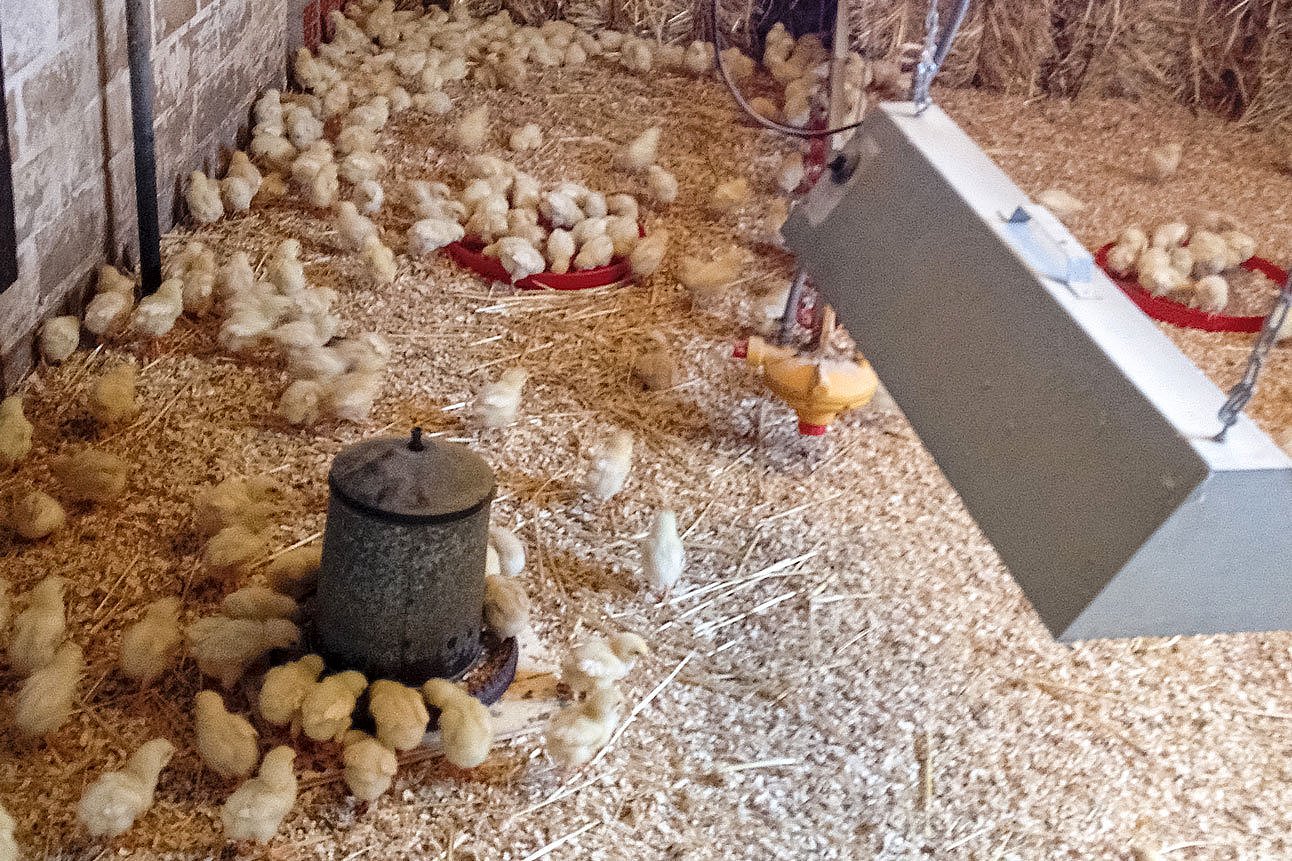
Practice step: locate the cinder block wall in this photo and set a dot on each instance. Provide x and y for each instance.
(68, 93)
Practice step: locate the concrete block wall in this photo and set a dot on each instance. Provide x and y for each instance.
(68, 93)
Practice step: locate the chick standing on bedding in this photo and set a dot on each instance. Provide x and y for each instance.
(1162, 163)
(35, 515)
(260, 603)
(1061, 203)
(250, 502)
(155, 315)
(203, 198)
(466, 730)
(470, 132)
(506, 606)
(257, 808)
(729, 195)
(579, 730)
(150, 646)
(399, 713)
(612, 459)
(653, 366)
(648, 254)
(510, 550)
(379, 260)
(15, 432)
(285, 688)
(114, 298)
(370, 766)
(110, 805)
(598, 664)
(708, 280)
(640, 153)
(59, 338)
(231, 552)
(295, 572)
(112, 395)
(39, 629)
(226, 742)
(662, 553)
(352, 229)
(328, 707)
(498, 403)
(224, 648)
(44, 702)
(91, 475)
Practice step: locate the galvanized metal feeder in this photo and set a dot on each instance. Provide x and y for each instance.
(401, 586)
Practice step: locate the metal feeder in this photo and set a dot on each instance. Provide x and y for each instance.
(401, 586)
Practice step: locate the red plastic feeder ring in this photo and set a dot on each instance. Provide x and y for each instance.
(466, 253)
(806, 429)
(740, 349)
(1179, 314)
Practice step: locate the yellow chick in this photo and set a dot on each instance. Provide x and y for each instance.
(510, 550)
(110, 805)
(203, 198)
(327, 709)
(466, 731)
(653, 366)
(612, 459)
(44, 702)
(1061, 203)
(59, 338)
(598, 664)
(8, 845)
(232, 551)
(285, 688)
(661, 185)
(578, 731)
(295, 573)
(1162, 162)
(663, 556)
(15, 432)
(648, 254)
(149, 647)
(35, 515)
(729, 195)
(498, 402)
(259, 602)
(707, 280)
(91, 475)
(506, 606)
(470, 133)
(39, 629)
(370, 766)
(639, 154)
(112, 396)
(399, 714)
(225, 741)
(224, 648)
(257, 808)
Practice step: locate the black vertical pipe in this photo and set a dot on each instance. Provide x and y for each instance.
(139, 43)
(8, 237)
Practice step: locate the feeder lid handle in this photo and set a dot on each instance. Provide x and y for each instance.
(416, 444)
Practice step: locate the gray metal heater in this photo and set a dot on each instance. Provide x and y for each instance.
(401, 587)
(1084, 443)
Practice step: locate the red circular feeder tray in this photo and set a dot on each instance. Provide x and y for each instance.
(1178, 314)
(466, 253)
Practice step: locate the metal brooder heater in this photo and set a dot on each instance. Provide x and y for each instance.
(1081, 439)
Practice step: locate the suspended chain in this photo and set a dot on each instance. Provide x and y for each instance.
(927, 68)
(1240, 394)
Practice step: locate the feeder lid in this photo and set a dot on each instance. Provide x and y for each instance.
(412, 479)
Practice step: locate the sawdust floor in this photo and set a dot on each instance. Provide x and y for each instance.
(866, 631)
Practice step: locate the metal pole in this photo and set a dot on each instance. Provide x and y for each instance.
(8, 237)
(139, 41)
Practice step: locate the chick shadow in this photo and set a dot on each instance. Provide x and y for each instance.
(575, 575)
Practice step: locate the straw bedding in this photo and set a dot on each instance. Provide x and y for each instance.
(846, 671)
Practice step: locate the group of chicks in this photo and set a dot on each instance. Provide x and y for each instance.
(1184, 259)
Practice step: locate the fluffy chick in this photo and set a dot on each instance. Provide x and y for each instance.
(150, 646)
(260, 603)
(225, 741)
(295, 573)
(370, 766)
(729, 195)
(578, 731)
(230, 553)
(598, 251)
(662, 554)
(250, 502)
(399, 712)
(35, 515)
(59, 338)
(329, 705)
(707, 280)
(506, 606)
(640, 153)
(470, 133)
(1161, 163)
(498, 403)
(155, 315)
(108, 312)
(15, 432)
(44, 702)
(654, 366)
(379, 261)
(1061, 203)
(612, 459)
(224, 648)
(599, 664)
(518, 256)
(661, 185)
(236, 194)
(112, 395)
(284, 690)
(510, 550)
(110, 805)
(203, 198)
(352, 229)
(431, 234)
(257, 808)
(351, 397)
(466, 731)
(39, 629)
(91, 475)
(789, 176)
(648, 254)
(1211, 293)
(525, 138)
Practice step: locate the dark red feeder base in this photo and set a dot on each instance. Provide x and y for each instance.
(1179, 314)
(467, 254)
